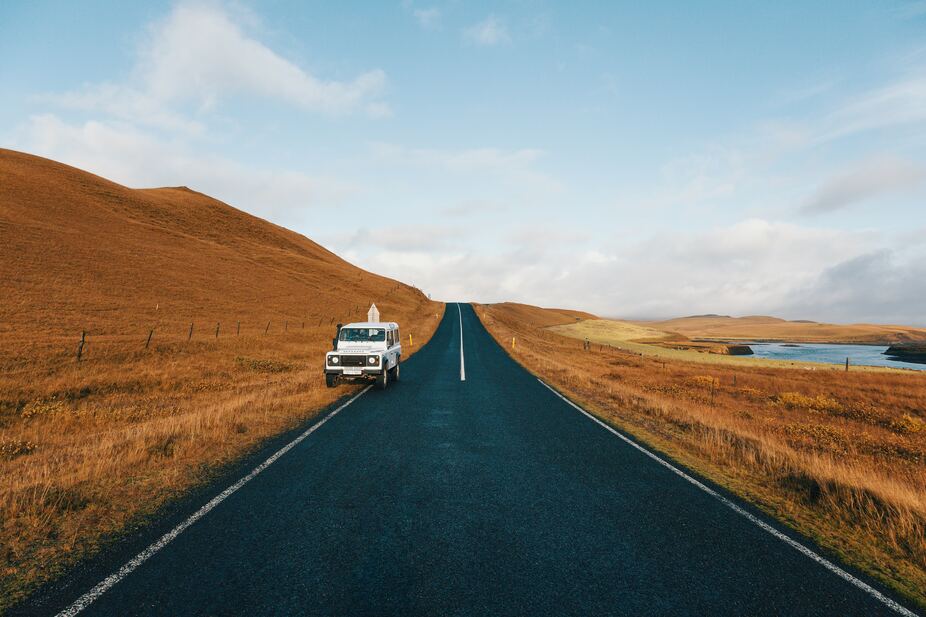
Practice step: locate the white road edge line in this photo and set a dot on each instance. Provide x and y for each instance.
(823, 561)
(462, 363)
(107, 583)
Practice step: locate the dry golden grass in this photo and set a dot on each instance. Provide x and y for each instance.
(88, 449)
(839, 456)
(760, 328)
(615, 331)
(624, 336)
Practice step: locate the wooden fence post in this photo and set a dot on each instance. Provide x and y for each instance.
(217, 330)
(150, 334)
(847, 364)
(238, 333)
(285, 326)
(190, 335)
(80, 345)
(267, 329)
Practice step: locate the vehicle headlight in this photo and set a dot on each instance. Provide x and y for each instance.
(373, 359)
(333, 360)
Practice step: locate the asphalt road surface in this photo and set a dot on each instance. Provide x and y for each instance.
(452, 496)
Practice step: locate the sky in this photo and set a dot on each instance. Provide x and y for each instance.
(638, 160)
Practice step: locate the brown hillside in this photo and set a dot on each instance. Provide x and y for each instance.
(88, 449)
(542, 317)
(80, 252)
(758, 327)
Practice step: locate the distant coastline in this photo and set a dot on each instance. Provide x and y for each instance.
(908, 352)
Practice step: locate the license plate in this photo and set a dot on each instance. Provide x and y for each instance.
(353, 371)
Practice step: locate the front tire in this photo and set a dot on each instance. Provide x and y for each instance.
(382, 380)
(331, 380)
(395, 371)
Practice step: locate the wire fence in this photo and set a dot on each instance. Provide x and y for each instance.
(175, 332)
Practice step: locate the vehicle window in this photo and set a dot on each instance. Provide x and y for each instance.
(389, 338)
(362, 335)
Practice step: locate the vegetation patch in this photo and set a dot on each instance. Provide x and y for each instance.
(263, 366)
(12, 448)
(907, 424)
(702, 381)
(820, 402)
(43, 408)
(820, 436)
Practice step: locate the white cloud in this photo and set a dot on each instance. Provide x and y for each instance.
(125, 103)
(881, 286)
(465, 160)
(428, 18)
(132, 157)
(872, 178)
(474, 207)
(896, 104)
(487, 33)
(710, 175)
(750, 267)
(516, 168)
(405, 238)
(200, 55)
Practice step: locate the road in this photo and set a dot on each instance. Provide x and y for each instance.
(452, 496)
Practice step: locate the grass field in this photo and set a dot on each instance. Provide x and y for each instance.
(839, 456)
(90, 448)
(636, 338)
(761, 328)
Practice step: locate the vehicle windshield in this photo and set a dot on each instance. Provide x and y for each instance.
(363, 335)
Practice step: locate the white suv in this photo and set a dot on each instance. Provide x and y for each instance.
(363, 352)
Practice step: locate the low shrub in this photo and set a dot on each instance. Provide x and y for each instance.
(793, 400)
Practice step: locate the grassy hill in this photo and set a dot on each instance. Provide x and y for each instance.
(83, 253)
(88, 448)
(537, 317)
(764, 328)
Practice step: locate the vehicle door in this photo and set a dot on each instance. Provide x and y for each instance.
(390, 348)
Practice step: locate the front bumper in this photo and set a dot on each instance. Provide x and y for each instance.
(352, 371)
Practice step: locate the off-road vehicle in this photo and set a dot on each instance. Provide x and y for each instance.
(365, 351)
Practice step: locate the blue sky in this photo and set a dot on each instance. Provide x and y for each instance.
(632, 159)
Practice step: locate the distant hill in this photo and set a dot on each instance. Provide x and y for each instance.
(761, 327)
(79, 252)
(542, 317)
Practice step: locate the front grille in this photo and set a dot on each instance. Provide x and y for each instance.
(353, 360)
